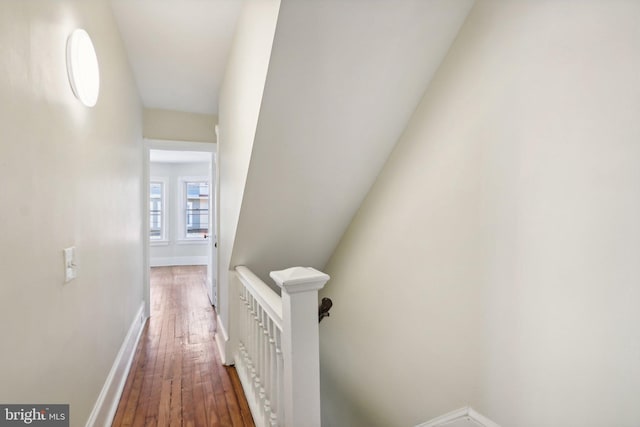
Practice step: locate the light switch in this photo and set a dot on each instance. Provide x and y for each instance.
(70, 267)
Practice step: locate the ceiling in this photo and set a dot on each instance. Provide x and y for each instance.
(178, 49)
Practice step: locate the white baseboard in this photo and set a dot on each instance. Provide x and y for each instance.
(105, 408)
(178, 260)
(466, 414)
(222, 339)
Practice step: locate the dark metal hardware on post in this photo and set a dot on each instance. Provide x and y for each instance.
(323, 309)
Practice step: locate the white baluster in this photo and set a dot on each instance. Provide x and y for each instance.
(247, 331)
(252, 349)
(273, 381)
(256, 353)
(241, 322)
(280, 377)
(266, 375)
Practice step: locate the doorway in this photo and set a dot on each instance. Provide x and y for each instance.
(180, 208)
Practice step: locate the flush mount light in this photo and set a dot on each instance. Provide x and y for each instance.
(82, 67)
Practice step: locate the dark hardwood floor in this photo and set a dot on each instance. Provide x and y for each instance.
(177, 378)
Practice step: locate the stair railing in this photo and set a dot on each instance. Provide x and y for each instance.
(277, 352)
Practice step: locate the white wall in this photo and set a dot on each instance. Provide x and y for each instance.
(70, 176)
(329, 118)
(240, 99)
(179, 125)
(495, 261)
(176, 250)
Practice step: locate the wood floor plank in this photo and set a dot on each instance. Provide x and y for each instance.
(175, 403)
(243, 405)
(131, 392)
(158, 372)
(177, 378)
(200, 414)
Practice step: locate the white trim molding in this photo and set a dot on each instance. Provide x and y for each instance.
(105, 407)
(180, 145)
(178, 260)
(222, 338)
(161, 144)
(164, 210)
(463, 414)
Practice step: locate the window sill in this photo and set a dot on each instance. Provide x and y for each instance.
(158, 243)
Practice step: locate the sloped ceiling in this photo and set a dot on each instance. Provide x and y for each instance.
(343, 81)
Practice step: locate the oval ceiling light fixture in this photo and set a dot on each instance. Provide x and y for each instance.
(82, 67)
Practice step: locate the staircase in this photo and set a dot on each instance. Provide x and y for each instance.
(315, 97)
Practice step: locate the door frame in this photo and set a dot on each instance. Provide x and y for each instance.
(170, 145)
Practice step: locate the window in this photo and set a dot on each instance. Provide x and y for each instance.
(156, 210)
(196, 205)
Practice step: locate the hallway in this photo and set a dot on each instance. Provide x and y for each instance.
(177, 378)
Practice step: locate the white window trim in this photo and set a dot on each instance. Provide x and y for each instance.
(164, 238)
(181, 232)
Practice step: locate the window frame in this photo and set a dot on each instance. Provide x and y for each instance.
(182, 237)
(164, 237)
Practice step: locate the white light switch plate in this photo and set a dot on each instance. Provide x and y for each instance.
(70, 267)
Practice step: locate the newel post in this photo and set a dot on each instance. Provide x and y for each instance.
(300, 344)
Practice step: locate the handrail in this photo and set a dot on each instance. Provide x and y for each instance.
(266, 297)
